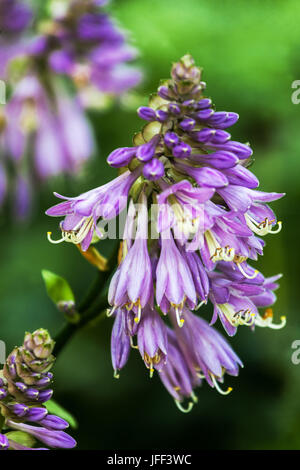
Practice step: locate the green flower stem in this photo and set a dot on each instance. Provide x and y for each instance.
(99, 282)
(70, 329)
(93, 305)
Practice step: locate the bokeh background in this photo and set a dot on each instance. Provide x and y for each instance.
(250, 55)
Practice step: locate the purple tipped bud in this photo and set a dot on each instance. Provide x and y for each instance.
(32, 394)
(161, 115)
(45, 395)
(20, 386)
(146, 151)
(182, 150)
(54, 422)
(148, 114)
(121, 157)
(50, 375)
(220, 160)
(187, 124)
(4, 444)
(171, 139)
(174, 109)
(19, 409)
(203, 104)
(164, 93)
(154, 169)
(43, 382)
(12, 370)
(204, 114)
(55, 439)
(240, 176)
(222, 119)
(220, 137)
(189, 103)
(3, 393)
(36, 414)
(210, 135)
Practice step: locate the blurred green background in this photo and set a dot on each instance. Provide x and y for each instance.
(250, 55)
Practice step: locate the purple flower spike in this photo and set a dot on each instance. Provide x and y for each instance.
(121, 157)
(33, 360)
(146, 151)
(182, 150)
(148, 114)
(154, 169)
(4, 444)
(194, 222)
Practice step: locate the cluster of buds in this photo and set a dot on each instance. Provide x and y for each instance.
(193, 217)
(44, 130)
(24, 391)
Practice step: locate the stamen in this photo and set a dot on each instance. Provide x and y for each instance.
(267, 320)
(110, 312)
(279, 223)
(262, 228)
(200, 304)
(182, 409)
(62, 239)
(132, 343)
(180, 321)
(138, 317)
(217, 386)
(248, 276)
(116, 375)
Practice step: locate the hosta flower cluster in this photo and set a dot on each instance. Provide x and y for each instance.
(193, 227)
(24, 392)
(43, 128)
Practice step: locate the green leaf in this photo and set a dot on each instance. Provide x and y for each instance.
(21, 437)
(54, 408)
(57, 287)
